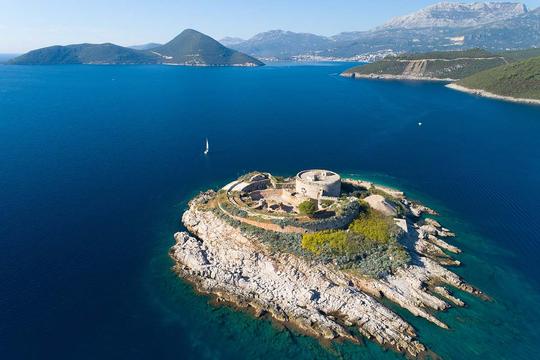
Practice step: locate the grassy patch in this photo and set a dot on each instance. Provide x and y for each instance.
(370, 246)
(335, 241)
(374, 226)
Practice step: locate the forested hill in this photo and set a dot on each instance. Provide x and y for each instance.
(517, 80)
(189, 48)
(449, 65)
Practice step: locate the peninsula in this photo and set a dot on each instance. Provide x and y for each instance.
(319, 253)
(516, 82)
(509, 75)
(434, 66)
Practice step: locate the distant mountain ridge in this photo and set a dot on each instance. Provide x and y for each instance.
(444, 26)
(229, 40)
(148, 46)
(448, 14)
(189, 48)
(283, 44)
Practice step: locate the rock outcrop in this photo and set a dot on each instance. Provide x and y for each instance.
(319, 299)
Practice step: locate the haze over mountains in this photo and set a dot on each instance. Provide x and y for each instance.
(189, 48)
(443, 26)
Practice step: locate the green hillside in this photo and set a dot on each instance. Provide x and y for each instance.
(447, 55)
(189, 48)
(433, 65)
(194, 48)
(518, 55)
(519, 80)
(85, 54)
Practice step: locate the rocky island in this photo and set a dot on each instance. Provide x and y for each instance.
(319, 253)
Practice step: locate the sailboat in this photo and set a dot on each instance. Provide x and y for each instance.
(206, 149)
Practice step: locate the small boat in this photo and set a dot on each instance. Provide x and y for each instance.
(419, 124)
(206, 149)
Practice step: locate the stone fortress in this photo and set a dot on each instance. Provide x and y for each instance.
(264, 192)
(316, 184)
(258, 198)
(325, 271)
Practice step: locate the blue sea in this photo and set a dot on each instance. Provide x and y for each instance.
(97, 164)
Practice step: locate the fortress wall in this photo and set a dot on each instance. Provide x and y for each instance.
(313, 189)
(256, 185)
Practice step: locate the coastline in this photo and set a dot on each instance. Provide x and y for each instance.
(356, 75)
(319, 299)
(490, 95)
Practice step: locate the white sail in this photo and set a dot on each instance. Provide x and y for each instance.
(206, 149)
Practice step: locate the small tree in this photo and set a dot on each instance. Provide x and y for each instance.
(308, 207)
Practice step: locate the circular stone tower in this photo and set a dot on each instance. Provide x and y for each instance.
(316, 183)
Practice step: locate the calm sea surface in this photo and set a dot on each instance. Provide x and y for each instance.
(97, 164)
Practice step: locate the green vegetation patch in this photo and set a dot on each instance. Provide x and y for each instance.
(308, 207)
(334, 241)
(447, 55)
(374, 226)
(519, 80)
(519, 55)
(370, 246)
(433, 68)
(456, 65)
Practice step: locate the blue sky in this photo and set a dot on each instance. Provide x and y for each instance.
(29, 24)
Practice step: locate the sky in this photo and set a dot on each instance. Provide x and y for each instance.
(30, 24)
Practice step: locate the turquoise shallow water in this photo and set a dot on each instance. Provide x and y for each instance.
(97, 163)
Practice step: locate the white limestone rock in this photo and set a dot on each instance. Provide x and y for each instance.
(320, 300)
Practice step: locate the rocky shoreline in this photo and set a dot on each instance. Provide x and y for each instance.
(319, 299)
(356, 75)
(487, 94)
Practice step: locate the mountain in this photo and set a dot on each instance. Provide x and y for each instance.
(444, 26)
(449, 65)
(283, 44)
(85, 54)
(519, 32)
(148, 46)
(194, 48)
(189, 48)
(6, 57)
(229, 41)
(456, 15)
(518, 80)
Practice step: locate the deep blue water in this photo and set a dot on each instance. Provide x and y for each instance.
(97, 163)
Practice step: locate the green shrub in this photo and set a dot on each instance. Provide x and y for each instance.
(334, 240)
(308, 207)
(374, 226)
(327, 203)
(347, 250)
